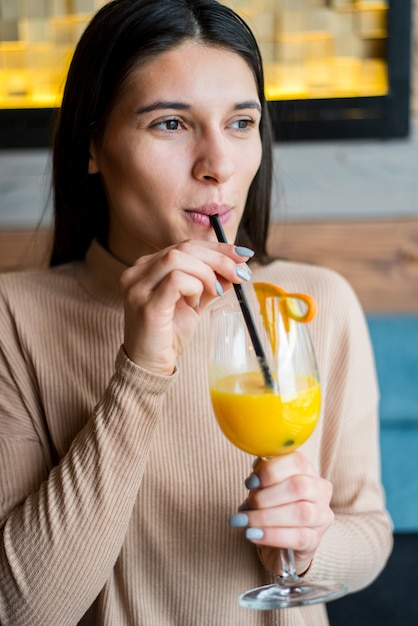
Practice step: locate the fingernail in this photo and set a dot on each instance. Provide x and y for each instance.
(197, 305)
(247, 268)
(241, 273)
(218, 288)
(256, 462)
(254, 533)
(252, 482)
(243, 507)
(239, 520)
(242, 251)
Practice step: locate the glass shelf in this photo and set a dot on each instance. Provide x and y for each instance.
(37, 40)
(326, 61)
(311, 48)
(320, 48)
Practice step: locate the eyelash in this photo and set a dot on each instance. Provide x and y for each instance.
(163, 125)
(249, 123)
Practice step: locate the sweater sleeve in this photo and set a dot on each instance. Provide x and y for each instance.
(345, 446)
(62, 527)
(355, 549)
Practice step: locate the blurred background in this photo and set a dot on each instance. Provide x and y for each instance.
(342, 84)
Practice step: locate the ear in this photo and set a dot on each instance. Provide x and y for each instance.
(93, 163)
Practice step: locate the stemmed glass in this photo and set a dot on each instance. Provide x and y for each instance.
(268, 415)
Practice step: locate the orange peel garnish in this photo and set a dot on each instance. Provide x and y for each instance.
(265, 290)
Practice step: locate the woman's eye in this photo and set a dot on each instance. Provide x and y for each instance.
(169, 125)
(243, 124)
(172, 124)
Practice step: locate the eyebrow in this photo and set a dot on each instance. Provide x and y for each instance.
(248, 104)
(182, 106)
(163, 104)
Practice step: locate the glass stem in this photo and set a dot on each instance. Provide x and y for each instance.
(287, 560)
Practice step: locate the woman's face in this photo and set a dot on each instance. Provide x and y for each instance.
(181, 143)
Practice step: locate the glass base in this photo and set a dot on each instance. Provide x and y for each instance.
(287, 594)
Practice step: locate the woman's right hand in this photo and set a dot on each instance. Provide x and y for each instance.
(164, 293)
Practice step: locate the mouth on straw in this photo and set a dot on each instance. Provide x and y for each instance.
(246, 311)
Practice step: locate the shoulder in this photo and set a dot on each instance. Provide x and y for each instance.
(15, 280)
(324, 284)
(32, 289)
(340, 313)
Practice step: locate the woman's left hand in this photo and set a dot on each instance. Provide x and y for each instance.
(288, 506)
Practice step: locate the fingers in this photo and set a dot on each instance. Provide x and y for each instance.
(163, 293)
(288, 505)
(298, 514)
(272, 471)
(297, 488)
(161, 297)
(216, 265)
(303, 541)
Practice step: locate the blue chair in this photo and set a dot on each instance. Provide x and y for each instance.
(391, 598)
(395, 342)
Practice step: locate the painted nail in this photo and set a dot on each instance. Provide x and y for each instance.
(247, 268)
(256, 462)
(241, 273)
(243, 507)
(218, 288)
(242, 251)
(239, 520)
(252, 482)
(254, 533)
(197, 305)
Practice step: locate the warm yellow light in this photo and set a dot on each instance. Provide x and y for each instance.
(310, 51)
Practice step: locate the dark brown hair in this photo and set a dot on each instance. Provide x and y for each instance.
(122, 35)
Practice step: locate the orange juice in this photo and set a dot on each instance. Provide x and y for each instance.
(260, 421)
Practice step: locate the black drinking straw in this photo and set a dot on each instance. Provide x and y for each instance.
(242, 299)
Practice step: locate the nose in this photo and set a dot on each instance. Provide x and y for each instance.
(214, 159)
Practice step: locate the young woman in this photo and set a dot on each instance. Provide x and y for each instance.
(116, 484)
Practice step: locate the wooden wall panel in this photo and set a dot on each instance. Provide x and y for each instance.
(23, 248)
(378, 257)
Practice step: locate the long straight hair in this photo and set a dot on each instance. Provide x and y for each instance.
(121, 36)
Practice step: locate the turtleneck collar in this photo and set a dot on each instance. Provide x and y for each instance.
(99, 275)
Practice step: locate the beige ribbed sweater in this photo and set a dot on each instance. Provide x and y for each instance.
(116, 484)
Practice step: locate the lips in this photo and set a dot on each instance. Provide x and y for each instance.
(211, 209)
(201, 215)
